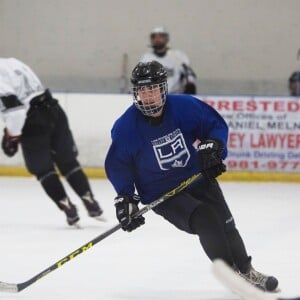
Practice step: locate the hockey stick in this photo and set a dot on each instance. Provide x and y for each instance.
(124, 78)
(17, 287)
(240, 286)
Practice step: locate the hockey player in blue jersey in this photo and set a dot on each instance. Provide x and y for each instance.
(153, 150)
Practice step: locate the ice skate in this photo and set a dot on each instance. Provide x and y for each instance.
(70, 210)
(262, 281)
(92, 206)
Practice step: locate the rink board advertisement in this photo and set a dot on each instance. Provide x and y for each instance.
(264, 133)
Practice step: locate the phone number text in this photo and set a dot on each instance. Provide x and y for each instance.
(263, 165)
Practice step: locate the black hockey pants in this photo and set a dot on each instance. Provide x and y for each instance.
(202, 210)
(46, 136)
(47, 142)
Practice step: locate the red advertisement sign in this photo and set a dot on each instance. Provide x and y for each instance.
(264, 132)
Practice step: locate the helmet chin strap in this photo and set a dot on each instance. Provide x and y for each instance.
(155, 120)
(154, 109)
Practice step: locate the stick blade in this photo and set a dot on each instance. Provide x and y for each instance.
(8, 287)
(237, 284)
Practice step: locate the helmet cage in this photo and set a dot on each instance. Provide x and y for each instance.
(150, 87)
(154, 106)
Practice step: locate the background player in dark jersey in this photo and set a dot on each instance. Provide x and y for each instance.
(153, 150)
(34, 119)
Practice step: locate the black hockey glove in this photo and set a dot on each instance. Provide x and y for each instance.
(125, 208)
(190, 88)
(9, 143)
(210, 160)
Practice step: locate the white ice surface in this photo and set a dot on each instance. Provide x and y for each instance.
(155, 262)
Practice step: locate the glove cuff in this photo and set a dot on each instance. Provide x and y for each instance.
(211, 144)
(135, 199)
(119, 199)
(10, 137)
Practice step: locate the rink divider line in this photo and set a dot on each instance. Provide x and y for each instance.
(228, 176)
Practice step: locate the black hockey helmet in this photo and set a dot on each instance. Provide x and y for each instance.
(294, 84)
(149, 74)
(295, 77)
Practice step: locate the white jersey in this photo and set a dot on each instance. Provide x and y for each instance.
(173, 61)
(18, 85)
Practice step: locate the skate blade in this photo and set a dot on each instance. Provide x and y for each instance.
(100, 218)
(276, 291)
(76, 225)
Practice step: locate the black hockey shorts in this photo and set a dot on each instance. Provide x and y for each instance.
(47, 139)
(178, 209)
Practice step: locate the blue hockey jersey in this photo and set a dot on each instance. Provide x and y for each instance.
(153, 159)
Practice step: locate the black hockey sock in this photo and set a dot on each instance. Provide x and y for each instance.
(205, 223)
(53, 186)
(238, 250)
(75, 176)
(78, 181)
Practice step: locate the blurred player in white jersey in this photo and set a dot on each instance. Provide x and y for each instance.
(181, 77)
(35, 120)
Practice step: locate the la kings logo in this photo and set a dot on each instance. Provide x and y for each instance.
(171, 151)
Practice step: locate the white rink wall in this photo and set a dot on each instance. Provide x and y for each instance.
(91, 117)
